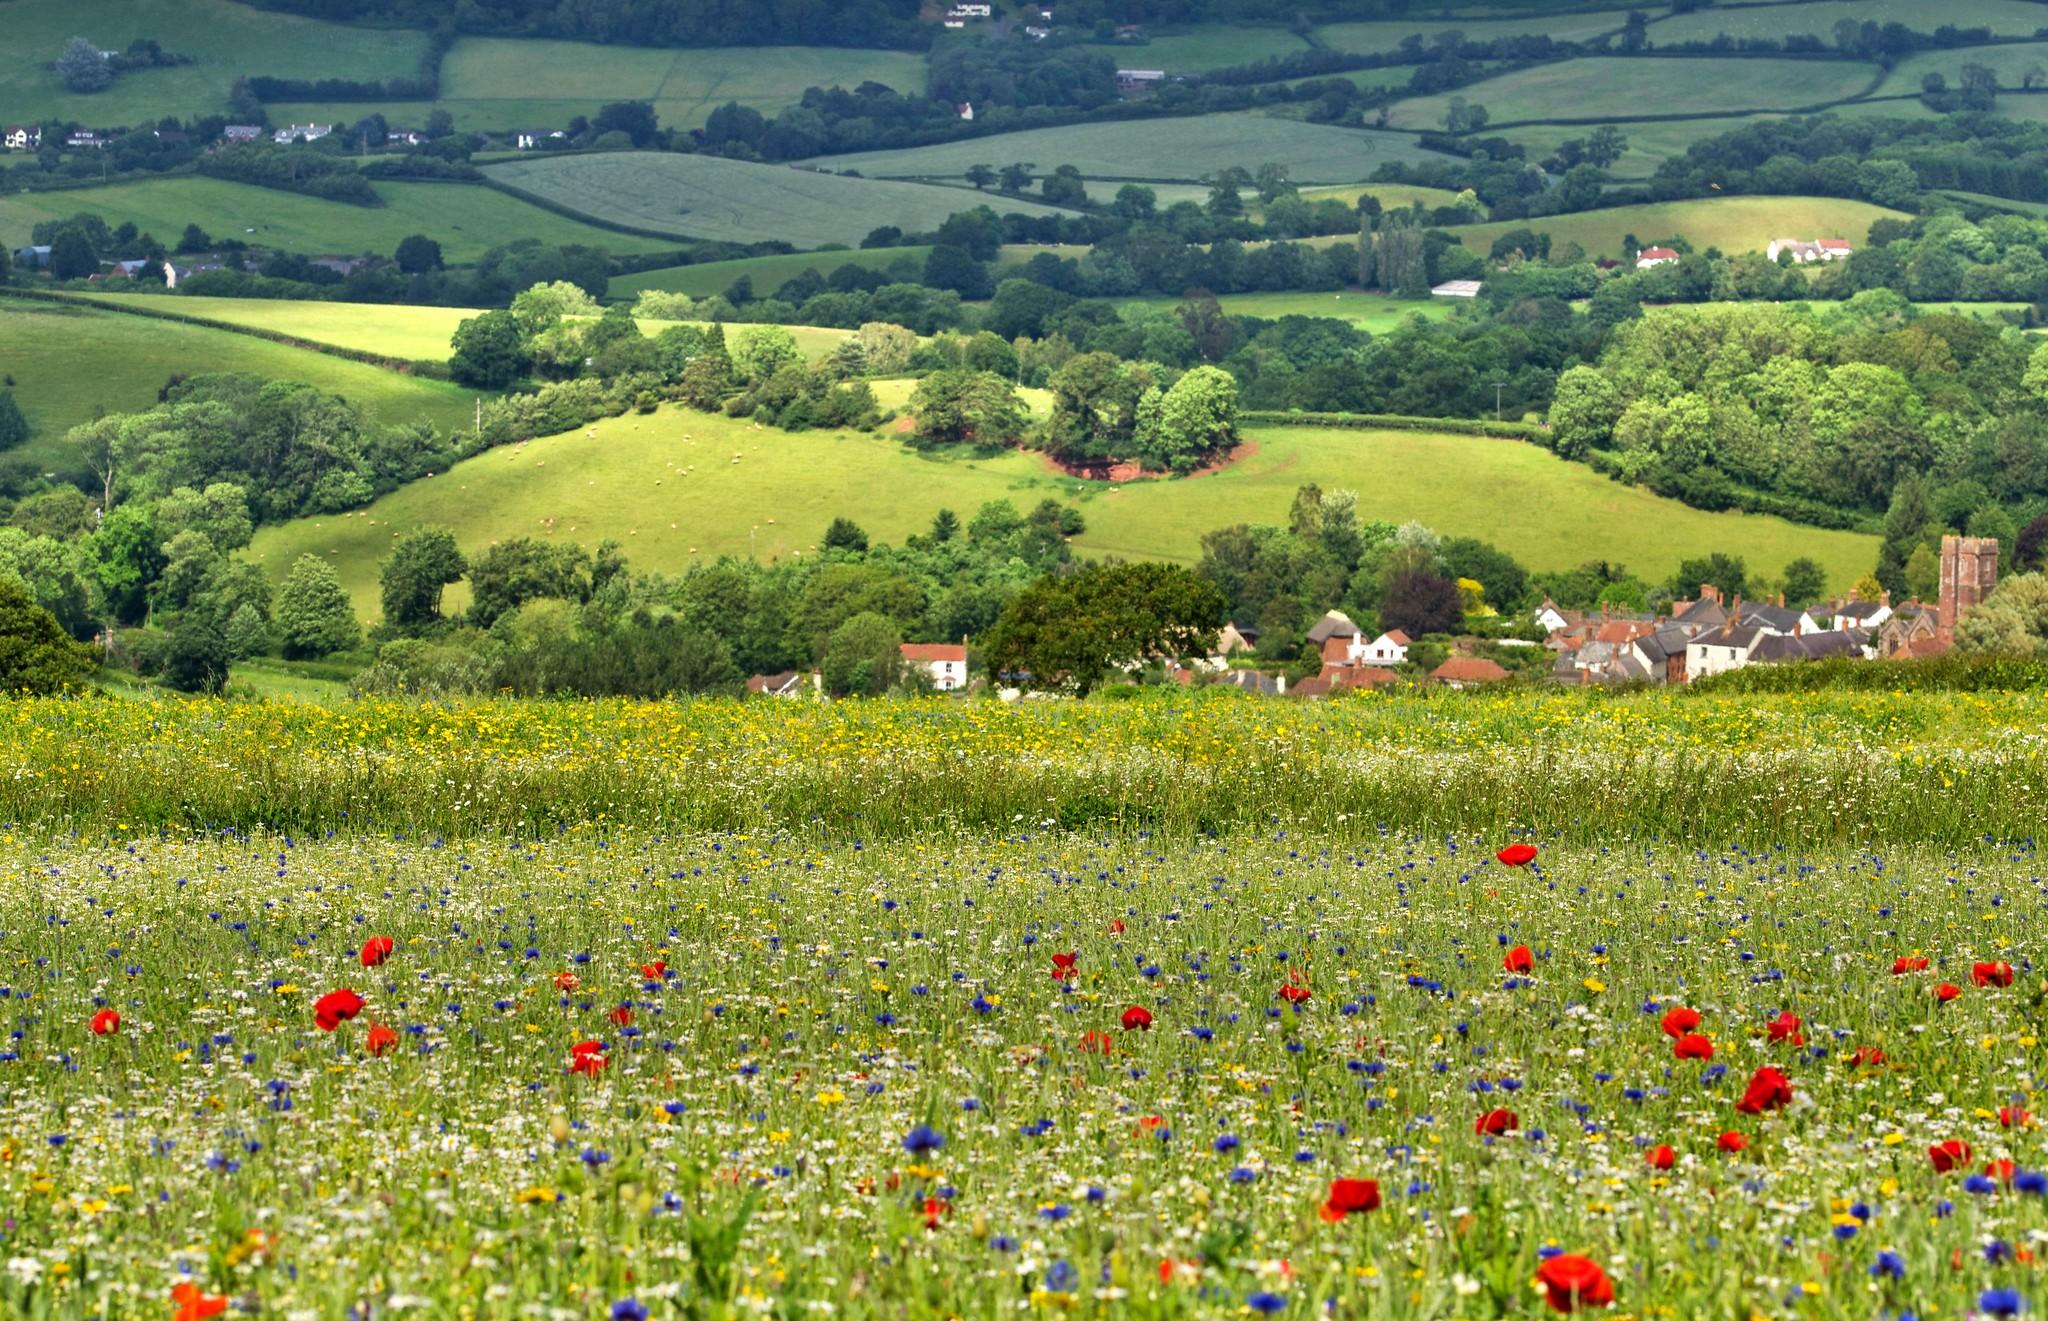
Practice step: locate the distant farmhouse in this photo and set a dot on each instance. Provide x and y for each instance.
(1806, 250)
(1650, 257)
(26, 137)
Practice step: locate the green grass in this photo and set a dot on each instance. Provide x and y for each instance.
(1621, 87)
(69, 362)
(497, 84)
(666, 486)
(2005, 18)
(1377, 313)
(420, 333)
(1170, 150)
(466, 219)
(1208, 46)
(225, 40)
(2011, 63)
(1732, 224)
(768, 273)
(1386, 35)
(713, 198)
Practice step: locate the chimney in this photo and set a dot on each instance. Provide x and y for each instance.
(1884, 599)
(1709, 592)
(1735, 611)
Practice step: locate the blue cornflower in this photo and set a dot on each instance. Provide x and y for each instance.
(1061, 1277)
(1243, 1175)
(1228, 1142)
(1978, 1183)
(922, 1139)
(2001, 1302)
(1267, 1303)
(629, 1309)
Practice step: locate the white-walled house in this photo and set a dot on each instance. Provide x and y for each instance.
(946, 663)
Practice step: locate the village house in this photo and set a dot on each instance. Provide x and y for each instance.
(789, 683)
(86, 139)
(532, 138)
(241, 133)
(1650, 257)
(1467, 672)
(1806, 250)
(945, 662)
(1908, 633)
(25, 137)
(36, 257)
(302, 132)
(1252, 681)
(1132, 80)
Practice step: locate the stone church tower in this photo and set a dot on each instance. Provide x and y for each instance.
(1969, 570)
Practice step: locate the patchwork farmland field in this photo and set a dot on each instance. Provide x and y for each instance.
(492, 84)
(465, 219)
(70, 362)
(679, 487)
(712, 198)
(1175, 150)
(2014, 64)
(704, 279)
(1618, 88)
(2005, 18)
(224, 39)
(1377, 313)
(1732, 224)
(1387, 35)
(1650, 142)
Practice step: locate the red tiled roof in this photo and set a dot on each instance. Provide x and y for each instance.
(934, 651)
(1657, 252)
(1398, 638)
(1468, 669)
(1336, 649)
(1370, 676)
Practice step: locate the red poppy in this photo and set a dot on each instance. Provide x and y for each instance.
(2001, 1170)
(1949, 1155)
(1116, 926)
(1350, 1197)
(656, 971)
(1517, 855)
(1785, 1027)
(1063, 966)
(588, 1058)
(1906, 963)
(1660, 1157)
(933, 1209)
(1731, 1142)
(622, 1016)
(1991, 974)
(567, 981)
(336, 1007)
(1679, 1021)
(1496, 1123)
(379, 1039)
(106, 1023)
(2011, 1116)
(1768, 1089)
(1571, 1282)
(1097, 1042)
(1947, 991)
(1519, 960)
(377, 949)
(1137, 1018)
(1692, 1046)
(1869, 1056)
(1294, 992)
(194, 1304)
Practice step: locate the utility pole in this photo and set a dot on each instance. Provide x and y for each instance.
(1498, 386)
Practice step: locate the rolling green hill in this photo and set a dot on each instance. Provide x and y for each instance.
(225, 42)
(493, 84)
(1165, 149)
(69, 362)
(2005, 18)
(704, 279)
(676, 487)
(1620, 87)
(710, 197)
(1732, 224)
(466, 219)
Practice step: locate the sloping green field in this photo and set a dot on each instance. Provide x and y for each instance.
(1167, 149)
(1374, 37)
(465, 219)
(225, 41)
(2005, 18)
(2013, 65)
(768, 273)
(713, 198)
(1621, 87)
(69, 362)
(494, 84)
(1732, 224)
(678, 486)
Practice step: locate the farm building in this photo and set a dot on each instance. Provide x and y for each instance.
(1456, 289)
(1132, 80)
(85, 137)
(946, 663)
(1650, 257)
(302, 132)
(789, 683)
(1806, 250)
(241, 133)
(26, 137)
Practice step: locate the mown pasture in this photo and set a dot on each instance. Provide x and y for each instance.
(1732, 224)
(1621, 87)
(1817, 18)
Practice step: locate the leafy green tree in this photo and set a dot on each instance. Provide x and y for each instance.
(314, 617)
(1419, 601)
(1583, 412)
(543, 306)
(1923, 573)
(1805, 581)
(1727, 572)
(523, 569)
(845, 534)
(35, 654)
(220, 513)
(196, 657)
(72, 256)
(1064, 187)
(1905, 527)
(956, 406)
(410, 581)
(1073, 632)
(247, 634)
(981, 176)
(2012, 621)
(83, 67)
(763, 351)
(1195, 420)
(863, 657)
(13, 426)
(1016, 177)
(489, 352)
(708, 379)
(418, 254)
(635, 119)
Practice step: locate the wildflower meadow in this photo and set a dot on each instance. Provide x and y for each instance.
(286, 1040)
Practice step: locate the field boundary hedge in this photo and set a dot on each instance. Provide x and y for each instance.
(403, 366)
(1462, 426)
(570, 213)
